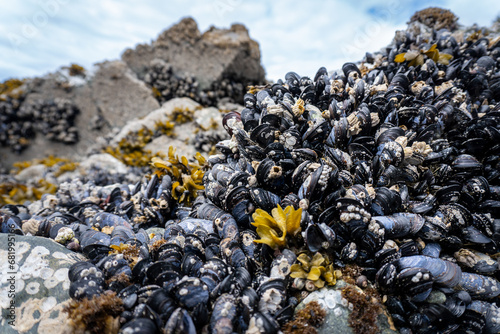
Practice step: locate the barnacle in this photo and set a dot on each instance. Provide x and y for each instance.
(298, 107)
(416, 58)
(96, 315)
(315, 269)
(273, 230)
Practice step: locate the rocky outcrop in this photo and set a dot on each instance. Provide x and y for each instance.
(40, 285)
(113, 93)
(107, 99)
(209, 57)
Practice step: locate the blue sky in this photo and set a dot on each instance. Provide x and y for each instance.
(38, 36)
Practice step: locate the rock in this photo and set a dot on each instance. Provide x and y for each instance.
(34, 172)
(338, 310)
(211, 56)
(103, 161)
(113, 95)
(119, 95)
(158, 115)
(41, 284)
(199, 134)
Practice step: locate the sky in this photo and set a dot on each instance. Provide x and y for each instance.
(39, 36)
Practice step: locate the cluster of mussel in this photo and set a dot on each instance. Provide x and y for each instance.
(167, 85)
(15, 131)
(20, 121)
(192, 274)
(396, 170)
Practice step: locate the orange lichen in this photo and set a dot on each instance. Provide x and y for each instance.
(366, 307)
(306, 320)
(96, 315)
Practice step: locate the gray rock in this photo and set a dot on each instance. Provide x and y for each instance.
(207, 119)
(211, 56)
(113, 94)
(338, 310)
(119, 95)
(103, 161)
(41, 285)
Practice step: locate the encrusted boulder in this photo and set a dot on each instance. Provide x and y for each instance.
(40, 285)
(209, 57)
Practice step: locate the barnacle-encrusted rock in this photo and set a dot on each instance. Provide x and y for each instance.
(198, 132)
(41, 285)
(339, 310)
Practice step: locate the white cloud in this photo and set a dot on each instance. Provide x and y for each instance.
(38, 36)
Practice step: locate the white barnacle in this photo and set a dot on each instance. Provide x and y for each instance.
(32, 288)
(64, 234)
